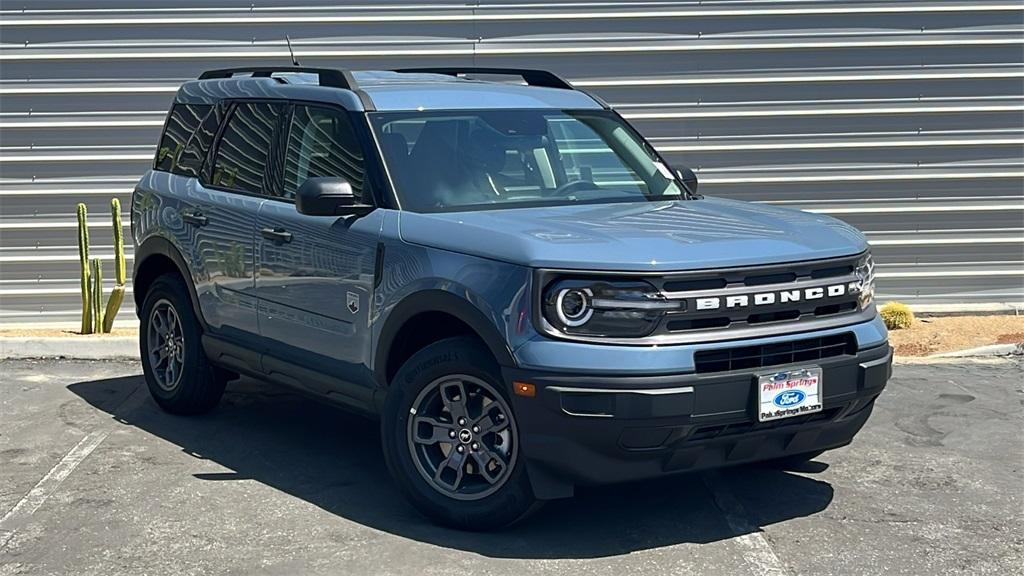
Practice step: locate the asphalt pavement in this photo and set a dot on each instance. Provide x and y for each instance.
(95, 479)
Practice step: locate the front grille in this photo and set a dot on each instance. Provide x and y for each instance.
(791, 352)
(712, 305)
(746, 283)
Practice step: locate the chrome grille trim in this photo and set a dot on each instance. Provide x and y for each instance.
(740, 289)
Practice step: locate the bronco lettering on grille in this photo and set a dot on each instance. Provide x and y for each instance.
(781, 296)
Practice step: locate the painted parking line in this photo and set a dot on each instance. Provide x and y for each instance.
(48, 485)
(757, 552)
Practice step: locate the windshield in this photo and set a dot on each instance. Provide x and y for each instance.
(471, 160)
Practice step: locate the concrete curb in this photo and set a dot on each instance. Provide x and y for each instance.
(980, 309)
(992, 350)
(79, 347)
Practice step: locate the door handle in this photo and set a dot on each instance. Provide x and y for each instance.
(277, 235)
(195, 217)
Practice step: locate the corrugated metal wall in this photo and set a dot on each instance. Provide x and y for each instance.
(905, 118)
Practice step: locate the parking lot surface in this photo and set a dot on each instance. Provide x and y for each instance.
(95, 479)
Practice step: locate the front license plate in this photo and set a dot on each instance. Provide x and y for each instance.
(788, 393)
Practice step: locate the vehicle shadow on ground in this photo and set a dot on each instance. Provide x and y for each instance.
(332, 460)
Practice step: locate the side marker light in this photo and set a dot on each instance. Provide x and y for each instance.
(524, 389)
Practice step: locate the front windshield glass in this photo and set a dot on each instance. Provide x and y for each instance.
(479, 159)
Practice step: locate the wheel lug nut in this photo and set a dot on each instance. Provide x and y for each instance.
(460, 449)
(476, 429)
(462, 421)
(474, 446)
(451, 433)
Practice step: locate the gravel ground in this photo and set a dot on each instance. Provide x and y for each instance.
(58, 332)
(950, 333)
(95, 480)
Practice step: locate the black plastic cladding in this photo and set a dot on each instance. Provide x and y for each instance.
(760, 356)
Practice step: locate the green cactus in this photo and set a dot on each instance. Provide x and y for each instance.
(120, 272)
(83, 257)
(96, 272)
(897, 315)
(96, 317)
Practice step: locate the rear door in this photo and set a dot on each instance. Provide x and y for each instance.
(164, 201)
(223, 218)
(316, 273)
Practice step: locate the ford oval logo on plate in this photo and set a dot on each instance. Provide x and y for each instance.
(789, 398)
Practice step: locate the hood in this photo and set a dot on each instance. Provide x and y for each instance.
(647, 236)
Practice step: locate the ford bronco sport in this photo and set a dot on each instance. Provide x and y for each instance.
(508, 275)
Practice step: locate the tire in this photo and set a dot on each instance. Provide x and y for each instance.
(792, 461)
(469, 476)
(180, 377)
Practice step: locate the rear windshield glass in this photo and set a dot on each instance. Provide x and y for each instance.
(465, 160)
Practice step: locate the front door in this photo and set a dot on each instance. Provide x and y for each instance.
(315, 275)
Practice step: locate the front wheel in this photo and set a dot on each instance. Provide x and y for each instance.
(451, 440)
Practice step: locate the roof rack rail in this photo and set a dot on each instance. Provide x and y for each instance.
(532, 77)
(331, 77)
(327, 76)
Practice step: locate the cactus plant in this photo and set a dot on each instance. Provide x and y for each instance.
(120, 272)
(96, 274)
(897, 315)
(96, 317)
(83, 258)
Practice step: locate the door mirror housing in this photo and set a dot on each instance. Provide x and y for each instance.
(328, 197)
(688, 178)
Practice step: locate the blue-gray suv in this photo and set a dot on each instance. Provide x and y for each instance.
(507, 274)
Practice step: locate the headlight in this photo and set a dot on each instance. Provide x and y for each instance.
(573, 306)
(864, 286)
(605, 308)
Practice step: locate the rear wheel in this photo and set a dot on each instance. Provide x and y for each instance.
(451, 440)
(178, 374)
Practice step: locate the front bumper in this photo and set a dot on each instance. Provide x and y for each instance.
(605, 429)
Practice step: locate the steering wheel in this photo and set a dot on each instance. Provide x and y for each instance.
(570, 187)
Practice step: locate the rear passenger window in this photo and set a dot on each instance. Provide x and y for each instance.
(181, 123)
(244, 147)
(322, 143)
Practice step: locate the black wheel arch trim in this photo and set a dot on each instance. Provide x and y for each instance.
(435, 300)
(159, 246)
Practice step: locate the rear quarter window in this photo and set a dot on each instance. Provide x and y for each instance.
(192, 159)
(182, 122)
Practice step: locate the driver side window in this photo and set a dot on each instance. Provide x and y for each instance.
(322, 143)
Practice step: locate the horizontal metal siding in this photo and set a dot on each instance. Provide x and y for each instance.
(903, 118)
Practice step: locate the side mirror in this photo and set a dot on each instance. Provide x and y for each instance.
(689, 179)
(328, 197)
